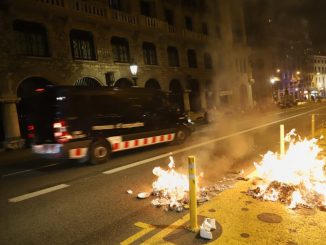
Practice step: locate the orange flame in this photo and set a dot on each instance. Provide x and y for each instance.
(300, 172)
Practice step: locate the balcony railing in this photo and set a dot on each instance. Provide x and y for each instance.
(153, 23)
(88, 8)
(194, 35)
(99, 9)
(57, 3)
(123, 17)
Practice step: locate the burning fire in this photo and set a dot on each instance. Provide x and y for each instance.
(171, 186)
(297, 178)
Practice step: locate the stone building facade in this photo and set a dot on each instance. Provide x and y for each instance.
(195, 49)
(318, 75)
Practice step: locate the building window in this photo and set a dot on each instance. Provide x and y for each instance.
(208, 62)
(205, 28)
(188, 23)
(169, 17)
(120, 49)
(115, 4)
(149, 52)
(192, 59)
(173, 56)
(82, 45)
(31, 39)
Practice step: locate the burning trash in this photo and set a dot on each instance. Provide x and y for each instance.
(171, 189)
(296, 179)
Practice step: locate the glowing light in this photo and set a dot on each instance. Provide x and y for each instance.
(298, 178)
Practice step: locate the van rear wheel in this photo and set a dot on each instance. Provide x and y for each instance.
(100, 152)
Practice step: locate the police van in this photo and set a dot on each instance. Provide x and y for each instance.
(89, 124)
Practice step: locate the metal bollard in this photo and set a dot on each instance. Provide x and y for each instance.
(282, 141)
(313, 125)
(192, 193)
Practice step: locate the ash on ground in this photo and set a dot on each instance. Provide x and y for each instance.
(203, 195)
(284, 193)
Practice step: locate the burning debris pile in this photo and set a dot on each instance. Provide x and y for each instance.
(171, 189)
(296, 179)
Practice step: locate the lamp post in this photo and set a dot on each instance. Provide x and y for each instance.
(134, 69)
(272, 81)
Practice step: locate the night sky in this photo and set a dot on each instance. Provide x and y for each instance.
(287, 17)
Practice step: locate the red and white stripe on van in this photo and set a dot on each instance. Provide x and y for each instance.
(77, 153)
(117, 144)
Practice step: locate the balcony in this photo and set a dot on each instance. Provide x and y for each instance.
(123, 17)
(55, 3)
(101, 10)
(88, 8)
(194, 35)
(153, 23)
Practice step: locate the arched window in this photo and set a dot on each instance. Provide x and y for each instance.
(87, 82)
(123, 83)
(152, 83)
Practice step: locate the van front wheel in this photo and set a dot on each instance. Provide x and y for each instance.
(100, 152)
(181, 135)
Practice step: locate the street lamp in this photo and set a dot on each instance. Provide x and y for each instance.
(134, 69)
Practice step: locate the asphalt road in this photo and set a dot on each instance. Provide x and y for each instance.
(56, 202)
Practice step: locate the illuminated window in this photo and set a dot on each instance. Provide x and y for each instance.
(82, 45)
(149, 52)
(120, 49)
(192, 58)
(31, 39)
(173, 56)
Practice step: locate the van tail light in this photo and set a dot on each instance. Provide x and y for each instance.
(30, 131)
(60, 132)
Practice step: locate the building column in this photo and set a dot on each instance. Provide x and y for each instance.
(11, 125)
(186, 100)
(203, 101)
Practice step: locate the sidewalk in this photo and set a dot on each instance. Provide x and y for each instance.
(241, 219)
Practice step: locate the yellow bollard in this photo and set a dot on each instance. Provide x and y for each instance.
(313, 125)
(282, 141)
(192, 193)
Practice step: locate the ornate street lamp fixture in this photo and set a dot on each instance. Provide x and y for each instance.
(134, 69)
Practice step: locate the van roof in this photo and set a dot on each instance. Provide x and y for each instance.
(90, 90)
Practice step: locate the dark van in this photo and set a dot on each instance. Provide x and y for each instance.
(89, 124)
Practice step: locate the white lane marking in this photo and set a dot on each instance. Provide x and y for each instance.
(135, 164)
(29, 170)
(37, 193)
